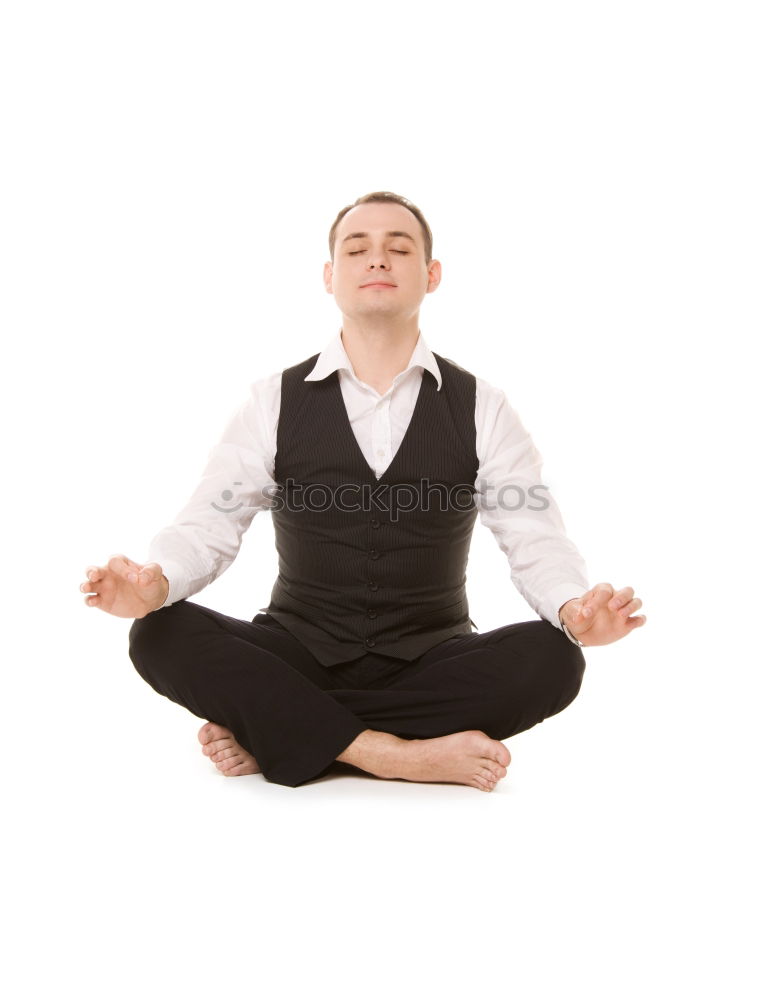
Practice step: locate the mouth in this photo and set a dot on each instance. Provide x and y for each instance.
(378, 284)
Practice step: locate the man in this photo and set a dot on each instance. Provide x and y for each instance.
(375, 458)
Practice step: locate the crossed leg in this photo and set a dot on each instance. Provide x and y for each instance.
(278, 711)
(468, 758)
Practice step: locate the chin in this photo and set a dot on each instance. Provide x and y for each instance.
(379, 309)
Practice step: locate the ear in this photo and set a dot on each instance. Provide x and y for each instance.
(327, 276)
(434, 275)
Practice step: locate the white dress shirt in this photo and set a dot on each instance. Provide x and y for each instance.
(205, 537)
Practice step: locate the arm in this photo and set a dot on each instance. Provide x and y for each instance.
(546, 568)
(204, 538)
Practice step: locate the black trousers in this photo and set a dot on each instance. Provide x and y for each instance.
(296, 716)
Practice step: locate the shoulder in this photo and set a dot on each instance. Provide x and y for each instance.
(259, 411)
(486, 392)
(489, 396)
(265, 389)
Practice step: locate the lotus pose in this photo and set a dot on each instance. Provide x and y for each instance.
(374, 457)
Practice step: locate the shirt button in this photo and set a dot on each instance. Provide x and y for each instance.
(369, 642)
(380, 452)
(372, 585)
(374, 523)
(373, 553)
(372, 614)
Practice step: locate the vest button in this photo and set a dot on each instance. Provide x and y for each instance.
(374, 523)
(372, 614)
(373, 553)
(372, 585)
(369, 642)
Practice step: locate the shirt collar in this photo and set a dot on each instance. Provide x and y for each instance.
(334, 358)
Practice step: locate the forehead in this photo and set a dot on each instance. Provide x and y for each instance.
(379, 217)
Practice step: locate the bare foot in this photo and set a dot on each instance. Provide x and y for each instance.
(221, 746)
(469, 758)
(466, 758)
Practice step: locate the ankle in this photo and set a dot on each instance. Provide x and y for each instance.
(376, 752)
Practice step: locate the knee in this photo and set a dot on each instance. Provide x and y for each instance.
(546, 679)
(150, 636)
(564, 665)
(549, 668)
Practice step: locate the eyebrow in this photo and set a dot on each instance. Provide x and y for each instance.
(364, 236)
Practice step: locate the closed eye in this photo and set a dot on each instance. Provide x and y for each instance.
(352, 253)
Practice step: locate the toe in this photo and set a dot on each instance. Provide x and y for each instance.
(208, 733)
(229, 762)
(501, 757)
(212, 732)
(497, 769)
(486, 779)
(245, 768)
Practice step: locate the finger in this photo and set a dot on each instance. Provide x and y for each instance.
(120, 565)
(92, 601)
(94, 583)
(621, 597)
(636, 622)
(585, 606)
(571, 610)
(127, 569)
(630, 607)
(588, 608)
(93, 572)
(149, 574)
(600, 594)
(576, 606)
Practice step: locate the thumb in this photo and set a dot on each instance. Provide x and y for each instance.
(148, 574)
(578, 616)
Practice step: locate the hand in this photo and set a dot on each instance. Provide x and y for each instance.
(602, 615)
(124, 588)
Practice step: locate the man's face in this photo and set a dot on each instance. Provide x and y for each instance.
(379, 269)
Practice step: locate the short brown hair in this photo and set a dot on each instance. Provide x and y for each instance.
(398, 199)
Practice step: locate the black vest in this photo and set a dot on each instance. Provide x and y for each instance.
(368, 564)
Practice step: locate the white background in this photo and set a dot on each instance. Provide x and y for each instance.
(170, 172)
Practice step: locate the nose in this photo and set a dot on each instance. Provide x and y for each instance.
(378, 258)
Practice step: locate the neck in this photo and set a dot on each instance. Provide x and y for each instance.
(378, 352)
